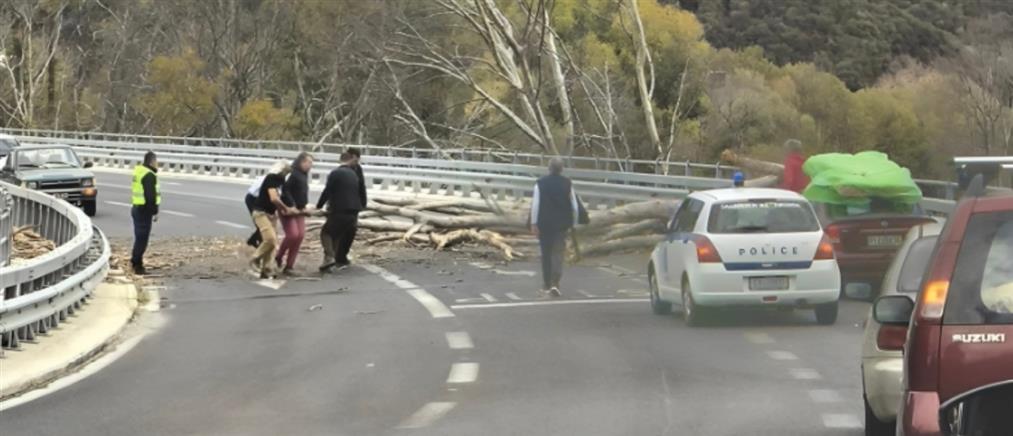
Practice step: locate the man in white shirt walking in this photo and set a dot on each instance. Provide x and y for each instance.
(554, 211)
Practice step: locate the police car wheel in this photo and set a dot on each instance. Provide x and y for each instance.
(658, 306)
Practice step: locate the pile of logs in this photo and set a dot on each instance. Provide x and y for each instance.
(28, 244)
(444, 223)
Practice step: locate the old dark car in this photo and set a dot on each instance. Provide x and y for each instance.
(55, 170)
(7, 144)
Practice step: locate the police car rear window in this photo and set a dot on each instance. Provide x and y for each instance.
(981, 290)
(762, 216)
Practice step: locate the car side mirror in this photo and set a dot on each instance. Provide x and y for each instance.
(89, 164)
(893, 310)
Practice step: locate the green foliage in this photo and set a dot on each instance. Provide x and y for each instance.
(260, 119)
(181, 100)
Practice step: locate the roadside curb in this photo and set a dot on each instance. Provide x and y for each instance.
(97, 328)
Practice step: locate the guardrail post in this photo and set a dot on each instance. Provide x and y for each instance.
(6, 229)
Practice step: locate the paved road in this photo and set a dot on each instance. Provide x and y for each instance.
(461, 348)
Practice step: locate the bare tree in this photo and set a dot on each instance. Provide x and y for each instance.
(30, 35)
(643, 67)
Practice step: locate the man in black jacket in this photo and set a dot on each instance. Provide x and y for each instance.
(343, 201)
(554, 211)
(145, 198)
(358, 172)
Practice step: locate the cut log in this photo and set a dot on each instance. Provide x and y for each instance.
(754, 166)
(633, 212)
(452, 204)
(634, 243)
(650, 226)
(452, 222)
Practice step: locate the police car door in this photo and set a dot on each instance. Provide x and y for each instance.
(678, 242)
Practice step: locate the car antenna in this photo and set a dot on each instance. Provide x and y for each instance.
(977, 187)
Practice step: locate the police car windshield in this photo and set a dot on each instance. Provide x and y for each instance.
(763, 216)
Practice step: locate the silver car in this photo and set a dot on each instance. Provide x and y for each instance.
(882, 346)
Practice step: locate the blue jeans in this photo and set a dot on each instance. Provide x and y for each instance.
(142, 230)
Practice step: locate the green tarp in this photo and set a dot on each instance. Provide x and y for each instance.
(852, 179)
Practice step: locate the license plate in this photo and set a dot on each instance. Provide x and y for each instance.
(768, 283)
(884, 241)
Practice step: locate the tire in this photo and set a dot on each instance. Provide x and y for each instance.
(658, 306)
(875, 427)
(826, 314)
(694, 315)
(90, 207)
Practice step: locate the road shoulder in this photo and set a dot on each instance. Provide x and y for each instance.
(75, 342)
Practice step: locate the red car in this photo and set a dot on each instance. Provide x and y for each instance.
(958, 365)
(865, 242)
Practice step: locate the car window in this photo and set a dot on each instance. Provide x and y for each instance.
(762, 216)
(47, 158)
(915, 263)
(5, 146)
(687, 220)
(981, 290)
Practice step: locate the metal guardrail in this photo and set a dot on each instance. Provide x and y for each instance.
(6, 226)
(685, 168)
(37, 294)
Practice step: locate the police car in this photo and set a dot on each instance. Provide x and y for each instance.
(744, 247)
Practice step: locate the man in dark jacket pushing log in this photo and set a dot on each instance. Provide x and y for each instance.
(554, 211)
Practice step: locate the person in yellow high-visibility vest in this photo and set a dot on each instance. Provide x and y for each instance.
(146, 196)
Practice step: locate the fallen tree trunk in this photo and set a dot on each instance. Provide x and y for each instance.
(452, 222)
(633, 212)
(652, 226)
(632, 243)
(754, 166)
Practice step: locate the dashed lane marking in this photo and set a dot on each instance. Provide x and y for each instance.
(805, 374)
(585, 293)
(624, 269)
(119, 203)
(547, 303)
(470, 300)
(824, 396)
(463, 372)
(182, 214)
(781, 355)
(841, 420)
(489, 297)
(427, 415)
(435, 307)
(231, 224)
(759, 338)
(514, 273)
(459, 341)
(512, 296)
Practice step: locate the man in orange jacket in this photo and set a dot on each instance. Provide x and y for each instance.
(794, 179)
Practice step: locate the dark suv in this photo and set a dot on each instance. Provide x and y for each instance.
(958, 365)
(55, 170)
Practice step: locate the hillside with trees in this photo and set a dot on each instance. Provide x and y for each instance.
(669, 80)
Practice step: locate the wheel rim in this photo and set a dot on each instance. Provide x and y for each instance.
(653, 283)
(687, 302)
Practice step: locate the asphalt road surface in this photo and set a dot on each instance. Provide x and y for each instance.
(461, 348)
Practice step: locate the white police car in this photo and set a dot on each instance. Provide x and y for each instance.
(744, 247)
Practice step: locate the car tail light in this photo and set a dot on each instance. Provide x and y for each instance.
(706, 252)
(934, 298)
(891, 337)
(824, 251)
(833, 233)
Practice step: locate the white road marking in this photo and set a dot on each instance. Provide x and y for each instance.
(841, 420)
(824, 396)
(639, 280)
(271, 284)
(172, 212)
(759, 338)
(781, 355)
(427, 415)
(152, 295)
(231, 224)
(605, 269)
(585, 293)
(514, 273)
(171, 183)
(435, 307)
(512, 296)
(470, 300)
(459, 341)
(405, 284)
(463, 372)
(624, 269)
(118, 203)
(805, 374)
(60, 383)
(481, 265)
(488, 297)
(547, 303)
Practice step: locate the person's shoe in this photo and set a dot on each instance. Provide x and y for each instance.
(288, 272)
(254, 268)
(342, 265)
(327, 267)
(264, 275)
(277, 261)
(139, 270)
(554, 291)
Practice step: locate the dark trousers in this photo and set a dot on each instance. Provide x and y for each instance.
(553, 247)
(337, 236)
(255, 238)
(142, 231)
